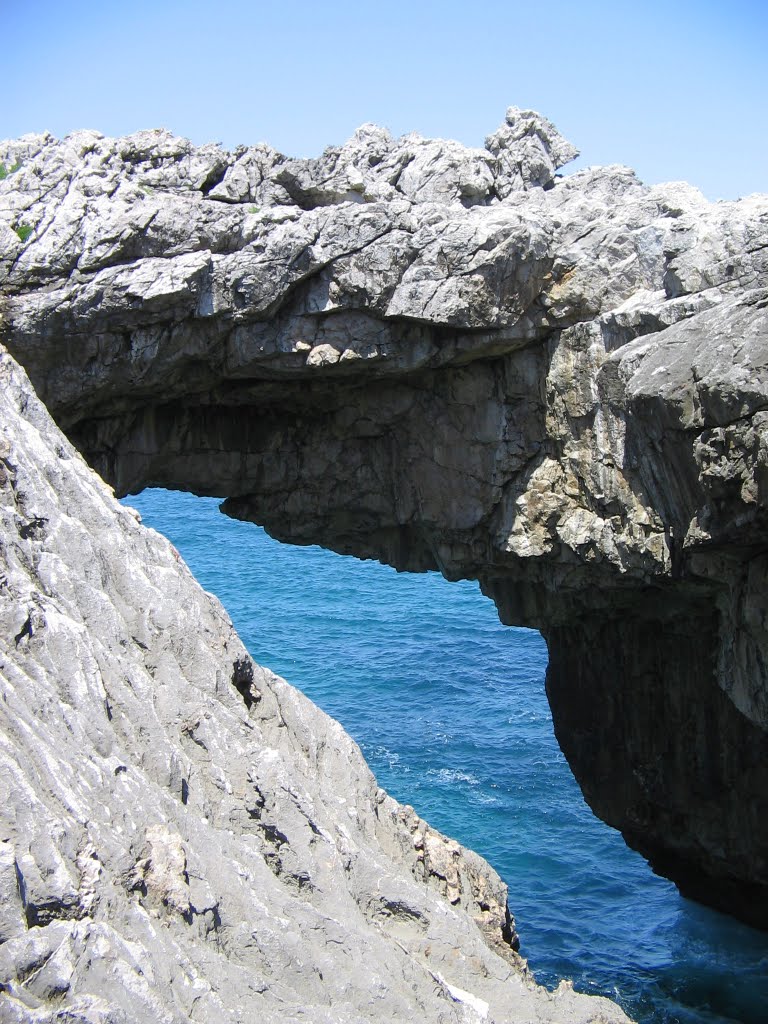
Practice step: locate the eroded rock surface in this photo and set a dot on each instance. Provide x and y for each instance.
(456, 359)
(184, 836)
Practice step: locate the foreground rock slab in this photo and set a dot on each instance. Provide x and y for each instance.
(458, 359)
(184, 836)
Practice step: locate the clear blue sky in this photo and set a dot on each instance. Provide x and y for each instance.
(676, 89)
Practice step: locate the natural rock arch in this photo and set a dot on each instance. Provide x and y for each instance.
(454, 359)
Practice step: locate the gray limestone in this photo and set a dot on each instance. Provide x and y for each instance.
(460, 359)
(184, 836)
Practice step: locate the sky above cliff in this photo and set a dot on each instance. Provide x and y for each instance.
(675, 89)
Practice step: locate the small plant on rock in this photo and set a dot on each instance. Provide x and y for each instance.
(5, 171)
(23, 231)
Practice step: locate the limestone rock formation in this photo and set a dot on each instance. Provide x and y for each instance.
(456, 359)
(184, 836)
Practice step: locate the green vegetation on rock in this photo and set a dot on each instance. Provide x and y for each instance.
(5, 171)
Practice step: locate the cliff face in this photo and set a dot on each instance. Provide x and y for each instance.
(183, 836)
(452, 358)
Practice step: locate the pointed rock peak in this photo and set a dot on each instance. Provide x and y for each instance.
(519, 124)
(372, 135)
(370, 143)
(529, 149)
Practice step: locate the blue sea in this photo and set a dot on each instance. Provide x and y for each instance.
(449, 708)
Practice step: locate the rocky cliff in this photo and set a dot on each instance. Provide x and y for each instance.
(455, 359)
(184, 836)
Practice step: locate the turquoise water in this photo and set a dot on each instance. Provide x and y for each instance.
(448, 706)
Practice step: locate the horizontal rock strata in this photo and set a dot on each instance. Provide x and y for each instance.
(184, 836)
(456, 359)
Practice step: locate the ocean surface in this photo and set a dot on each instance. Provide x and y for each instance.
(449, 708)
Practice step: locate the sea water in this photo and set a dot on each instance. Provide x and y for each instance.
(449, 709)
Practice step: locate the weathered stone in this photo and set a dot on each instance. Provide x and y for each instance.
(183, 836)
(529, 150)
(453, 358)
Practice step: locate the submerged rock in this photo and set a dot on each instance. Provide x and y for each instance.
(452, 358)
(184, 836)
